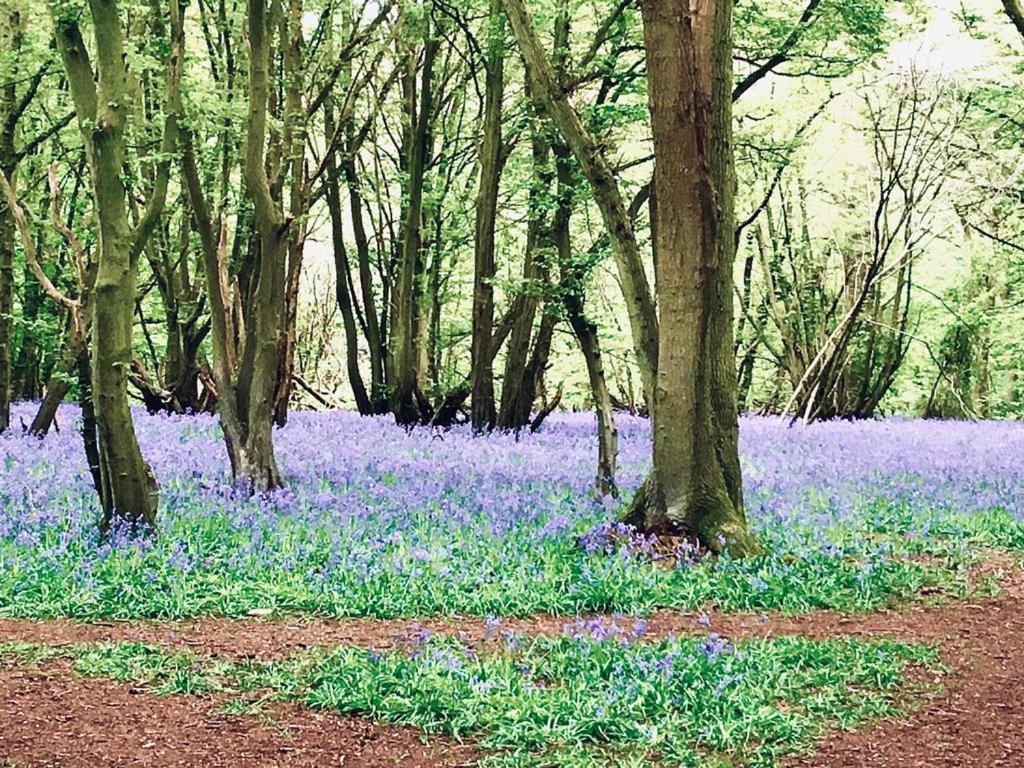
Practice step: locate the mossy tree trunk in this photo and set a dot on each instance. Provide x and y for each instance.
(483, 411)
(695, 486)
(102, 100)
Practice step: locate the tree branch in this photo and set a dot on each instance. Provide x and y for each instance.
(782, 55)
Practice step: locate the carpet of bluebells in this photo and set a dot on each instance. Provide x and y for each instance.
(377, 521)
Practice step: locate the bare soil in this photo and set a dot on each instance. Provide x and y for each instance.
(51, 717)
(979, 720)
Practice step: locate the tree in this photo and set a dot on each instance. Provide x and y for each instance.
(246, 353)
(1015, 12)
(19, 90)
(103, 101)
(842, 347)
(75, 345)
(492, 155)
(10, 36)
(547, 88)
(407, 373)
(695, 486)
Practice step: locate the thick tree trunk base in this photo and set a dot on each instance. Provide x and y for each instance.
(253, 462)
(254, 470)
(261, 477)
(716, 525)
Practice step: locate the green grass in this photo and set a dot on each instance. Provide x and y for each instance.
(565, 701)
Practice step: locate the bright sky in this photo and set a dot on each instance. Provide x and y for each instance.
(943, 47)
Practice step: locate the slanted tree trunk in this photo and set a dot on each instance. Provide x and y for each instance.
(572, 288)
(590, 345)
(695, 486)
(483, 412)
(75, 345)
(1015, 12)
(547, 88)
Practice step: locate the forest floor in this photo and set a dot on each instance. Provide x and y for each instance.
(52, 716)
(884, 628)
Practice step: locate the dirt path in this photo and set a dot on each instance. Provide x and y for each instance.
(52, 717)
(977, 723)
(272, 639)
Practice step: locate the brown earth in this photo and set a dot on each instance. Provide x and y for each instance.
(977, 722)
(53, 718)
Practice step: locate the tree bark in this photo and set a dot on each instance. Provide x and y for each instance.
(483, 413)
(26, 374)
(59, 384)
(374, 335)
(607, 433)
(6, 306)
(253, 458)
(10, 40)
(1015, 12)
(518, 389)
(341, 269)
(90, 441)
(572, 288)
(546, 87)
(404, 376)
(695, 487)
(128, 488)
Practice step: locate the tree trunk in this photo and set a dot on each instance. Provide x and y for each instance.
(341, 271)
(546, 87)
(89, 438)
(518, 390)
(10, 40)
(128, 488)
(374, 336)
(404, 375)
(254, 460)
(60, 381)
(286, 345)
(607, 434)
(695, 487)
(25, 373)
(6, 308)
(573, 277)
(482, 407)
